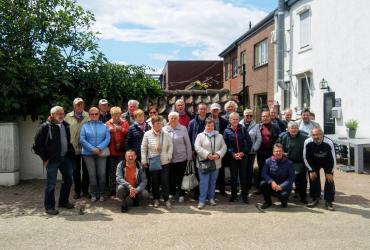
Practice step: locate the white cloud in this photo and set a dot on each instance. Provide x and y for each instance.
(165, 57)
(209, 24)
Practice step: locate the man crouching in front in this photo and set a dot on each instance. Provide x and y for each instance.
(131, 181)
(278, 176)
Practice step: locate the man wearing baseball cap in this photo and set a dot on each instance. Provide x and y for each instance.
(76, 119)
(104, 111)
(220, 126)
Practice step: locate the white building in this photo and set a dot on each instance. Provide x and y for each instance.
(328, 39)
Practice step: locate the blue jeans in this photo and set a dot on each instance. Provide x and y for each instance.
(207, 185)
(96, 167)
(66, 169)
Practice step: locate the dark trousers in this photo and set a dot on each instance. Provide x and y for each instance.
(262, 156)
(300, 182)
(177, 171)
(66, 169)
(148, 174)
(267, 192)
(124, 194)
(221, 173)
(83, 185)
(315, 188)
(239, 168)
(112, 162)
(161, 178)
(250, 163)
(196, 189)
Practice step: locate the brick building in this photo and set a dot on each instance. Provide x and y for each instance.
(176, 75)
(256, 50)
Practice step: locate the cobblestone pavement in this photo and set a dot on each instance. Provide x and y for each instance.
(24, 225)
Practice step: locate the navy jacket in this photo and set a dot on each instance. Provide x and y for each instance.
(244, 140)
(320, 155)
(196, 126)
(134, 138)
(222, 123)
(280, 171)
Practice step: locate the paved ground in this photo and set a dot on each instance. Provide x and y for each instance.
(23, 224)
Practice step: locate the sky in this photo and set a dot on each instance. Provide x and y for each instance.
(150, 32)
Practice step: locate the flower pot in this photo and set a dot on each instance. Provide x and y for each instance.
(351, 133)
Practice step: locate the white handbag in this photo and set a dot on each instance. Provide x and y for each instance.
(189, 181)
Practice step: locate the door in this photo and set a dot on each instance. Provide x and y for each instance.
(329, 121)
(260, 102)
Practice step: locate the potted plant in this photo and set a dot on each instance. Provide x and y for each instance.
(352, 126)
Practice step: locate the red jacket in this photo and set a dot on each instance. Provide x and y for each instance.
(117, 141)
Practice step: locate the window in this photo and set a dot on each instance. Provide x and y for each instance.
(260, 53)
(305, 92)
(243, 58)
(226, 71)
(235, 67)
(305, 29)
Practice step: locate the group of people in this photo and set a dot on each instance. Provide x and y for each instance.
(105, 152)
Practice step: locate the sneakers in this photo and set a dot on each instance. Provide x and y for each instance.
(101, 198)
(124, 209)
(156, 203)
(266, 205)
(170, 196)
(68, 205)
(51, 211)
(223, 193)
(313, 203)
(93, 198)
(201, 205)
(212, 202)
(329, 206)
(168, 204)
(181, 199)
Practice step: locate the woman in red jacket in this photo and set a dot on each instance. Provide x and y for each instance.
(118, 128)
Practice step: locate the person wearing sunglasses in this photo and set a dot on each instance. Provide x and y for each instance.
(95, 138)
(153, 111)
(255, 135)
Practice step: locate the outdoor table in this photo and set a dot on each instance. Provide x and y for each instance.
(359, 144)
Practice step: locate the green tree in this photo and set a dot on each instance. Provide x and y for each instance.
(44, 44)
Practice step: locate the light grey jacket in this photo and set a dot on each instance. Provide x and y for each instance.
(255, 135)
(204, 145)
(181, 143)
(149, 147)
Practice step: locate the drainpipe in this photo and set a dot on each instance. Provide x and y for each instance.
(280, 29)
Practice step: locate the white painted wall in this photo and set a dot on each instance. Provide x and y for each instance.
(30, 163)
(340, 53)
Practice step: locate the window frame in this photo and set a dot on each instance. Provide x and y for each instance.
(234, 67)
(261, 53)
(227, 77)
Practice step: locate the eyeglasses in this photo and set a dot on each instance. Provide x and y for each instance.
(248, 115)
(94, 114)
(153, 112)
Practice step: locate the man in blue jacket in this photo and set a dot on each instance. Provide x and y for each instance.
(277, 177)
(197, 126)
